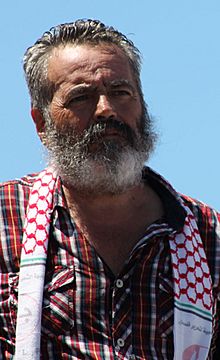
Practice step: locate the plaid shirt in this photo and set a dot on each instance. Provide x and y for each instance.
(88, 313)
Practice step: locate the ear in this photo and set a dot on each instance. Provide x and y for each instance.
(39, 123)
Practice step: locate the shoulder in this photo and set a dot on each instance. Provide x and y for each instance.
(16, 189)
(202, 211)
(208, 219)
(26, 180)
(14, 196)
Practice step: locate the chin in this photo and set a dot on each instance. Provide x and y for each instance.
(97, 176)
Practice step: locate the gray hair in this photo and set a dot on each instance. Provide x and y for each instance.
(79, 32)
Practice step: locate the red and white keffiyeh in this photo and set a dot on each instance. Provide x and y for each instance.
(192, 281)
(32, 267)
(192, 293)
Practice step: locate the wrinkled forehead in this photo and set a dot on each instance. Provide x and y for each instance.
(65, 61)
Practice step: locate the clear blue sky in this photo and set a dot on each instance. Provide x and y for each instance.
(179, 41)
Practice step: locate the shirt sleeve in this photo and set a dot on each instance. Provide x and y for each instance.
(13, 203)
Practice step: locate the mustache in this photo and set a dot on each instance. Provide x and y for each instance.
(66, 133)
(96, 131)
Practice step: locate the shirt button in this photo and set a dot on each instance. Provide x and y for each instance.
(120, 342)
(119, 283)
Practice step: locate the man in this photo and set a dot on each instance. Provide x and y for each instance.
(100, 257)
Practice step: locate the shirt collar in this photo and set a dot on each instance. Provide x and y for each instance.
(59, 196)
(172, 201)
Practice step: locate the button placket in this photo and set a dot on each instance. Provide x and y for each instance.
(120, 293)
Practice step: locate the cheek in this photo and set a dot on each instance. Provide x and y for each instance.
(60, 117)
(64, 117)
(130, 112)
(79, 113)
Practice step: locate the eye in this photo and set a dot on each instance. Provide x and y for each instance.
(78, 98)
(120, 92)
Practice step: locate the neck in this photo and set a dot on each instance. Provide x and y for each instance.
(114, 223)
(111, 209)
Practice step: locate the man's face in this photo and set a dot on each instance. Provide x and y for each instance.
(92, 83)
(95, 120)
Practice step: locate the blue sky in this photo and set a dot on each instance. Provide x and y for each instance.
(179, 41)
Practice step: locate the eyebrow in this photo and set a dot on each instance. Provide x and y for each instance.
(81, 88)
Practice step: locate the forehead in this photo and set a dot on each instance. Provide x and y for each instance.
(80, 63)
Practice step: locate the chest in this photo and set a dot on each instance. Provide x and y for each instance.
(134, 305)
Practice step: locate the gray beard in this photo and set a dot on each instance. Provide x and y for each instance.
(94, 165)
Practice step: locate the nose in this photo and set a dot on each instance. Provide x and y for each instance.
(104, 108)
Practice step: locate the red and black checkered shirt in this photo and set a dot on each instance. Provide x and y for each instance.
(88, 313)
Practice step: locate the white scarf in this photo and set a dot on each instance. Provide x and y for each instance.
(192, 281)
